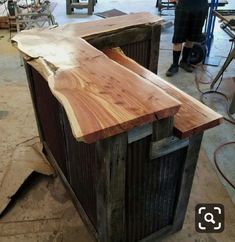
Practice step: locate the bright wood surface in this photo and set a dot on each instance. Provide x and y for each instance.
(33, 42)
(193, 116)
(101, 97)
(88, 30)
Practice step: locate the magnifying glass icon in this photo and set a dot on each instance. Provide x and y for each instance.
(209, 217)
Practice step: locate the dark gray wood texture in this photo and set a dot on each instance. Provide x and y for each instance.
(28, 71)
(111, 188)
(154, 53)
(138, 43)
(124, 37)
(163, 128)
(187, 180)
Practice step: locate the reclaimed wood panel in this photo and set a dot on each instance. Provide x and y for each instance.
(193, 116)
(152, 190)
(111, 176)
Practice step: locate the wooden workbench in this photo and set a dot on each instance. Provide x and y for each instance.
(112, 131)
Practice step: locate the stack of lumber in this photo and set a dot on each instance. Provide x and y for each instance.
(4, 22)
(4, 19)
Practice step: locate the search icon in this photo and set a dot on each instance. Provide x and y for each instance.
(209, 217)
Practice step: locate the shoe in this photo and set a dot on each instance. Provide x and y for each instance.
(186, 66)
(172, 70)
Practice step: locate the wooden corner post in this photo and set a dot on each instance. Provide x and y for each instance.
(154, 52)
(111, 188)
(187, 180)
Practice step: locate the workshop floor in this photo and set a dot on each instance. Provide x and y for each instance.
(42, 210)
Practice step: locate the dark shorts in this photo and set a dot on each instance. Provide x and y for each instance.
(188, 25)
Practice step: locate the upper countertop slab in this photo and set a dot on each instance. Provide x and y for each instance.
(101, 97)
(86, 30)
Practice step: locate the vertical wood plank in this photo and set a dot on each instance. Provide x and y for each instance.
(163, 128)
(154, 53)
(111, 154)
(187, 180)
(30, 80)
(232, 105)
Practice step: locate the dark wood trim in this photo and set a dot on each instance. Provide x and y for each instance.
(187, 181)
(28, 70)
(118, 39)
(140, 132)
(62, 115)
(154, 53)
(166, 146)
(159, 234)
(111, 173)
(163, 128)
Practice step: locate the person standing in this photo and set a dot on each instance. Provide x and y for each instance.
(190, 16)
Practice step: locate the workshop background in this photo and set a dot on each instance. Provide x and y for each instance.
(41, 210)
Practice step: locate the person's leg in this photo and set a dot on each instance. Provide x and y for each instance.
(184, 63)
(174, 68)
(187, 51)
(179, 37)
(177, 47)
(196, 22)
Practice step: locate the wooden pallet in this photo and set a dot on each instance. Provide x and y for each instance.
(9, 23)
(4, 22)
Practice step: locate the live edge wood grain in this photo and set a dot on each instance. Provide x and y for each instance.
(101, 97)
(93, 29)
(193, 116)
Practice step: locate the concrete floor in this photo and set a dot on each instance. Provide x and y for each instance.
(42, 210)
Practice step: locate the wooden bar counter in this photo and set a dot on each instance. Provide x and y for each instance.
(124, 141)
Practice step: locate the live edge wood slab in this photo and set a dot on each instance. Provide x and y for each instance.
(193, 116)
(124, 141)
(100, 97)
(90, 30)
